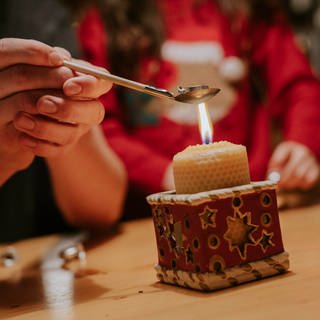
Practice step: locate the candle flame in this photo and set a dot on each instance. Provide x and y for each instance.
(205, 124)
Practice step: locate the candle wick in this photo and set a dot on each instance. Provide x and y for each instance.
(207, 140)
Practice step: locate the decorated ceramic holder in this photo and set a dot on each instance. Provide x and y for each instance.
(220, 238)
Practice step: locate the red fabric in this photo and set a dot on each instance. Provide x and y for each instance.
(292, 94)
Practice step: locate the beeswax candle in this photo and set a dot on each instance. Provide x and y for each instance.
(210, 166)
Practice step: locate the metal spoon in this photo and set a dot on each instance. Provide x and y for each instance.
(194, 94)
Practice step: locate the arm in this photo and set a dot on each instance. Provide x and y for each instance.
(88, 179)
(89, 182)
(293, 97)
(47, 110)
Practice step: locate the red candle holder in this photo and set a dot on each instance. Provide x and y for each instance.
(220, 238)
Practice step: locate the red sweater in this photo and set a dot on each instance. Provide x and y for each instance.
(293, 93)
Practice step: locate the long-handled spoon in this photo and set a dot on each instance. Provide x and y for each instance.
(194, 94)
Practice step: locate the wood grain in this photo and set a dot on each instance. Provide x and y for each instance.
(119, 281)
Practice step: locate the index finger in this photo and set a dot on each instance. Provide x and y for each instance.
(22, 51)
(88, 86)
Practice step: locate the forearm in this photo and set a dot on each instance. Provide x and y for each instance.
(89, 182)
(293, 95)
(302, 119)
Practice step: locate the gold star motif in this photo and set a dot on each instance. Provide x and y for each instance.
(239, 233)
(208, 217)
(265, 241)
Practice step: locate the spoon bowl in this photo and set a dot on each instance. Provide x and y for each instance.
(196, 94)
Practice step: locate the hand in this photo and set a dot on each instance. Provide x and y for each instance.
(297, 166)
(24, 65)
(44, 108)
(59, 120)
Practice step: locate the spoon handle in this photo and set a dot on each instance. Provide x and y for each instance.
(94, 71)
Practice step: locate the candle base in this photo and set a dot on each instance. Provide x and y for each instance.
(216, 239)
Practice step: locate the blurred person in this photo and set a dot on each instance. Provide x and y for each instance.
(246, 48)
(56, 170)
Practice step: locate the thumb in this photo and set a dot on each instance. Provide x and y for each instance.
(22, 51)
(279, 157)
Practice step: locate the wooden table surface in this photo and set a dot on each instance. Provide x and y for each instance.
(119, 282)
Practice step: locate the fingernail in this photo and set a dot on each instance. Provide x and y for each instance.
(48, 106)
(26, 123)
(274, 176)
(65, 54)
(55, 59)
(73, 88)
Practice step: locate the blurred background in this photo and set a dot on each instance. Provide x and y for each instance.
(305, 18)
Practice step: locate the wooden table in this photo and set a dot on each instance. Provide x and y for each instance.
(119, 281)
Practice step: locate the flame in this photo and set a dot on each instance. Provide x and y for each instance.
(205, 124)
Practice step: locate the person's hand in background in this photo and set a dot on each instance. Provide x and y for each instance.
(297, 166)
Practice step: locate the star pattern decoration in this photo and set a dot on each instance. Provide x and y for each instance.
(265, 241)
(239, 233)
(208, 217)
